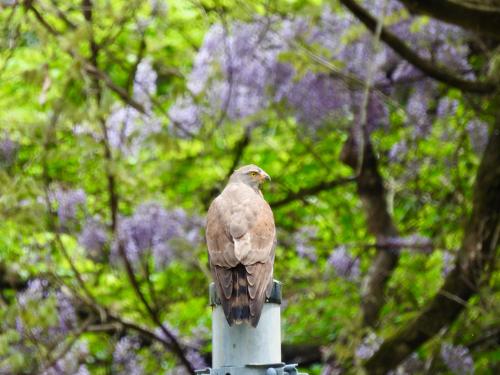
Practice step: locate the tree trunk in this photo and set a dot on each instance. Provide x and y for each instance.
(477, 253)
(380, 223)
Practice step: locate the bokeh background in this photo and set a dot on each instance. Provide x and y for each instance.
(378, 121)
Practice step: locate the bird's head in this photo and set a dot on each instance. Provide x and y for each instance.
(251, 175)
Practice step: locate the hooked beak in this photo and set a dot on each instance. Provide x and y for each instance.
(264, 177)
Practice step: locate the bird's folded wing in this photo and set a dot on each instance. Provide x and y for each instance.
(224, 281)
(259, 280)
(219, 241)
(257, 245)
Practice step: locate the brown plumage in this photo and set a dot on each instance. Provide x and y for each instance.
(241, 238)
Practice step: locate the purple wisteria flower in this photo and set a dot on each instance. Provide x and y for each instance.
(446, 107)
(159, 8)
(144, 83)
(203, 67)
(417, 107)
(245, 57)
(36, 290)
(405, 72)
(330, 369)
(121, 124)
(382, 7)
(457, 359)
(66, 312)
(240, 72)
(368, 347)
(316, 97)
(71, 362)
(344, 264)
(330, 23)
(82, 370)
(478, 135)
(49, 331)
(8, 151)
(67, 203)
(192, 348)
(127, 128)
(93, 238)
(125, 359)
(411, 365)
(185, 116)
(398, 151)
(8, 3)
(196, 359)
(448, 263)
(244, 68)
(304, 246)
(153, 229)
(438, 41)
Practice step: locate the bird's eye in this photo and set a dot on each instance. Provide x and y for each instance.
(253, 174)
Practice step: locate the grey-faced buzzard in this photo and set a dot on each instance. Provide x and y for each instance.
(241, 238)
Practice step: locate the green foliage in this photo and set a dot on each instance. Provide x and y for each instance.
(45, 97)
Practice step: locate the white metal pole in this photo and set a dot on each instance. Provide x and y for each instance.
(241, 345)
(243, 349)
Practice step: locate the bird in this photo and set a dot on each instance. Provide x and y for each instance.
(241, 241)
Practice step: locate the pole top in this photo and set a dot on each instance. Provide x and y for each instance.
(275, 296)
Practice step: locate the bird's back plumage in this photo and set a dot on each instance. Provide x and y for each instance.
(241, 239)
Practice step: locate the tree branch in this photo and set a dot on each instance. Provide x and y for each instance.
(87, 10)
(114, 323)
(111, 323)
(105, 320)
(303, 354)
(29, 6)
(237, 151)
(175, 346)
(428, 67)
(120, 91)
(478, 19)
(380, 223)
(65, 350)
(478, 250)
(140, 54)
(51, 215)
(10, 279)
(311, 190)
(87, 65)
(240, 148)
(62, 16)
(114, 199)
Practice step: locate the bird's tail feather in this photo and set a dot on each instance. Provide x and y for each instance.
(240, 304)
